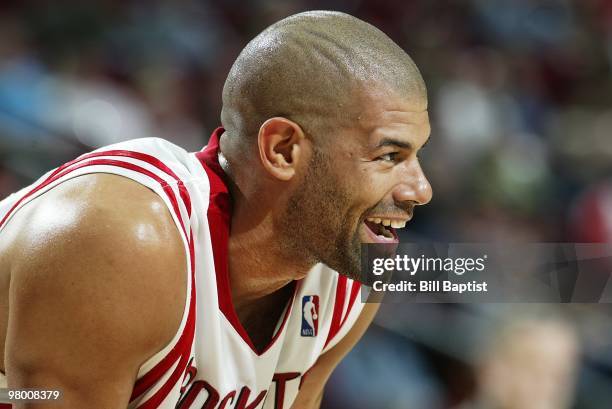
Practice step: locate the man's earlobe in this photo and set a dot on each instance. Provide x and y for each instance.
(279, 141)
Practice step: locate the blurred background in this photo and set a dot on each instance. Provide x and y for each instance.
(520, 99)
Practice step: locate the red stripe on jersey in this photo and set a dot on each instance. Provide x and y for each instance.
(130, 166)
(338, 307)
(61, 171)
(151, 160)
(183, 349)
(6, 406)
(354, 291)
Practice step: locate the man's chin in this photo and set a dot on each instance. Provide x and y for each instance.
(350, 269)
(355, 277)
(346, 259)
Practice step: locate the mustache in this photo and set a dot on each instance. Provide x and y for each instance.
(401, 210)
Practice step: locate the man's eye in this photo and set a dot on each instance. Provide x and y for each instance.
(389, 157)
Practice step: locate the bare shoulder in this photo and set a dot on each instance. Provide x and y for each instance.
(103, 233)
(98, 271)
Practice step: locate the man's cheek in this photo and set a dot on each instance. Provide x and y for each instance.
(372, 195)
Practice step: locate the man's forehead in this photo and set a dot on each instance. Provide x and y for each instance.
(406, 116)
(404, 123)
(382, 105)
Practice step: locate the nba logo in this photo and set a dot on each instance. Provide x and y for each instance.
(310, 315)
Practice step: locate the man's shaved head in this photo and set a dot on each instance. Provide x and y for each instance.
(308, 68)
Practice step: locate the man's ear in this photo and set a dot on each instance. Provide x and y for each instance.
(280, 142)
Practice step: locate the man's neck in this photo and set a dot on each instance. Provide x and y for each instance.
(258, 265)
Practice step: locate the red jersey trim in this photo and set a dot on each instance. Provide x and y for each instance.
(152, 160)
(219, 221)
(354, 292)
(182, 349)
(338, 307)
(61, 171)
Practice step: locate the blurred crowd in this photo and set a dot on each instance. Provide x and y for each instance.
(520, 95)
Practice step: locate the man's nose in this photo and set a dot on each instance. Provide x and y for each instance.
(414, 188)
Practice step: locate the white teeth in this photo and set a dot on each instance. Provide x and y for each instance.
(397, 224)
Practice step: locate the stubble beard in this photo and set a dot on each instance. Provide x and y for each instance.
(314, 226)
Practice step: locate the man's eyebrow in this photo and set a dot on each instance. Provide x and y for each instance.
(393, 142)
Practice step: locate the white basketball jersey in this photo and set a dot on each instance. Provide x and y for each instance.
(211, 362)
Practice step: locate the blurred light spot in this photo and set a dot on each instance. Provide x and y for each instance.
(96, 120)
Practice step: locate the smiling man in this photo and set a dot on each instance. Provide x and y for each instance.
(143, 276)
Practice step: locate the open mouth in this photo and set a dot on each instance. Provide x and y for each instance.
(383, 230)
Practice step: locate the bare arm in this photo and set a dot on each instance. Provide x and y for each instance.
(311, 392)
(97, 287)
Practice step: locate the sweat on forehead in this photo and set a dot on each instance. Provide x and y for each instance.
(308, 68)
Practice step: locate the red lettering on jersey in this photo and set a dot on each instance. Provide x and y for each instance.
(194, 391)
(190, 374)
(229, 397)
(243, 398)
(281, 379)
